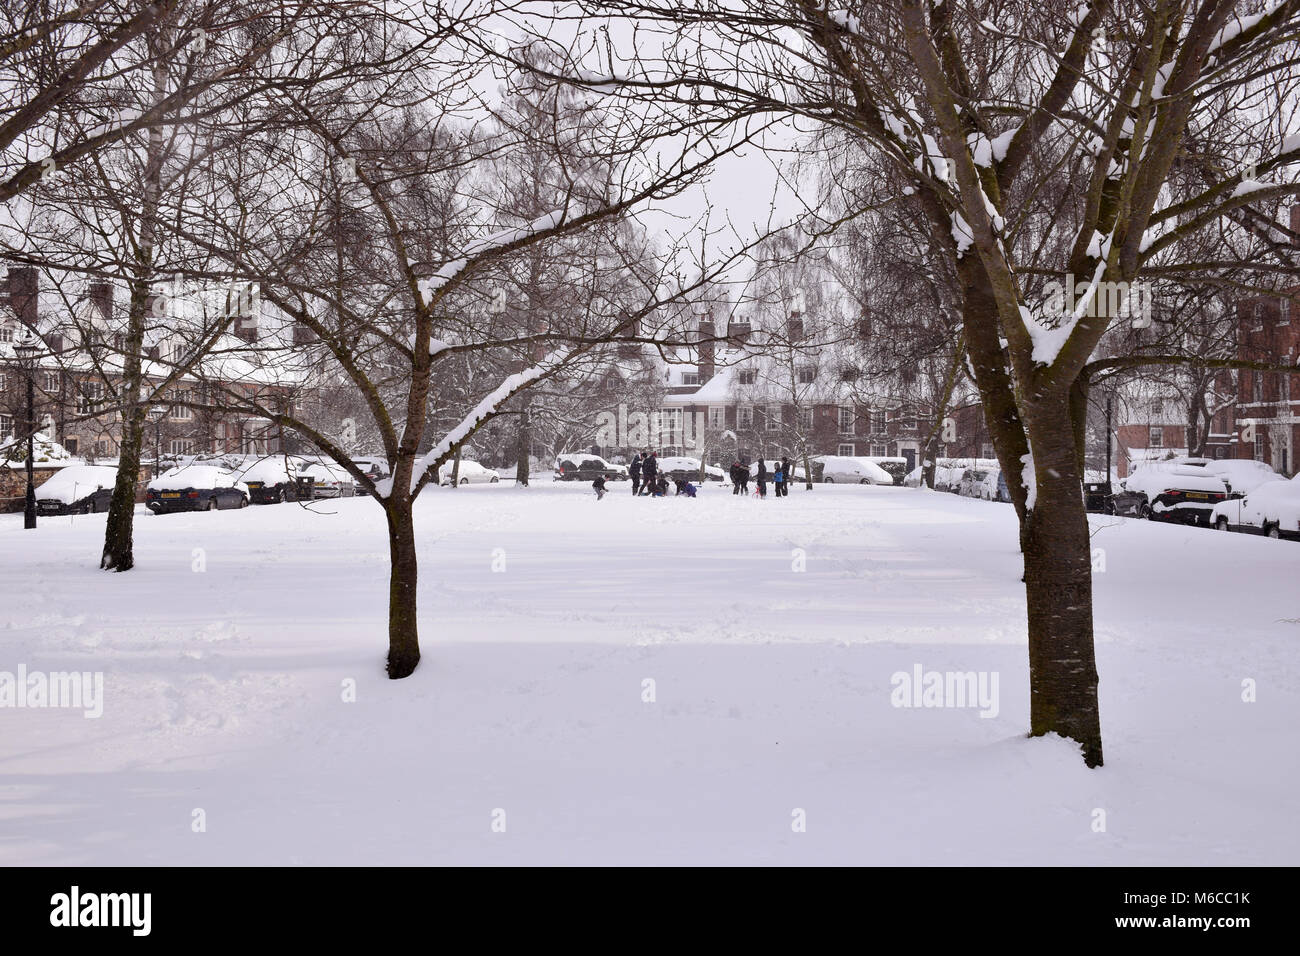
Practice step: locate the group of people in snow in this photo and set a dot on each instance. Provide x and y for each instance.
(648, 480)
(780, 477)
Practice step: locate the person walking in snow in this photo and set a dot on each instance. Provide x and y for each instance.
(761, 479)
(788, 472)
(635, 471)
(778, 477)
(734, 471)
(744, 479)
(599, 486)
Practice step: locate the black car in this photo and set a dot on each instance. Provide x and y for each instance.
(271, 480)
(1180, 495)
(195, 488)
(1096, 497)
(376, 469)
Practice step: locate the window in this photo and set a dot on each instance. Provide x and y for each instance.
(1157, 409)
(878, 450)
(1257, 317)
(1155, 437)
(806, 374)
(180, 412)
(849, 374)
(717, 418)
(6, 424)
(745, 416)
(1284, 388)
(907, 419)
(690, 378)
(101, 448)
(92, 396)
(986, 450)
(877, 421)
(845, 450)
(182, 446)
(51, 383)
(773, 418)
(748, 376)
(1259, 446)
(1284, 312)
(1257, 386)
(6, 332)
(846, 419)
(805, 419)
(71, 445)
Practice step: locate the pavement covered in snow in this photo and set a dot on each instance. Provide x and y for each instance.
(637, 681)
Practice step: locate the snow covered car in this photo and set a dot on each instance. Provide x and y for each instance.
(987, 484)
(688, 469)
(575, 466)
(328, 480)
(1272, 509)
(271, 480)
(1242, 475)
(469, 472)
(846, 469)
(1186, 493)
(196, 488)
(76, 490)
(895, 467)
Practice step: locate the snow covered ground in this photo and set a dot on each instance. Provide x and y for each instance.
(228, 652)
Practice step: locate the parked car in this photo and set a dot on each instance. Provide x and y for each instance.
(1272, 509)
(895, 467)
(1186, 493)
(76, 490)
(846, 469)
(688, 469)
(196, 488)
(376, 469)
(987, 484)
(328, 480)
(469, 472)
(271, 480)
(1242, 475)
(575, 466)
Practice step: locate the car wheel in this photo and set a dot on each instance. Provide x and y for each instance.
(464, 481)
(1273, 531)
(494, 481)
(212, 503)
(1221, 524)
(243, 502)
(1144, 511)
(828, 481)
(866, 481)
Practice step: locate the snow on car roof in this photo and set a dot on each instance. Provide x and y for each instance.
(75, 482)
(578, 458)
(1153, 481)
(194, 476)
(273, 470)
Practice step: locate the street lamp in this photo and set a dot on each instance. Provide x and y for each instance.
(25, 351)
(156, 415)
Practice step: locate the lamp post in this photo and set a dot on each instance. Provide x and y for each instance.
(156, 415)
(26, 353)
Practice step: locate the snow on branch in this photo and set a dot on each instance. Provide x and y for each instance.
(485, 409)
(476, 250)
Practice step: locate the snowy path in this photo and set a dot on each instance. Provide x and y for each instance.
(223, 688)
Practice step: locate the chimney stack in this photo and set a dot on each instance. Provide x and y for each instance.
(24, 288)
(738, 333)
(707, 349)
(101, 298)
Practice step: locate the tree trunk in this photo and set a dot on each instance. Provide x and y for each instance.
(524, 444)
(403, 626)
(807, 471)
(1058, 588)
(119, 554)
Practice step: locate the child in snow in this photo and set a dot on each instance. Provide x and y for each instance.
(688, 489)
(599, 485)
